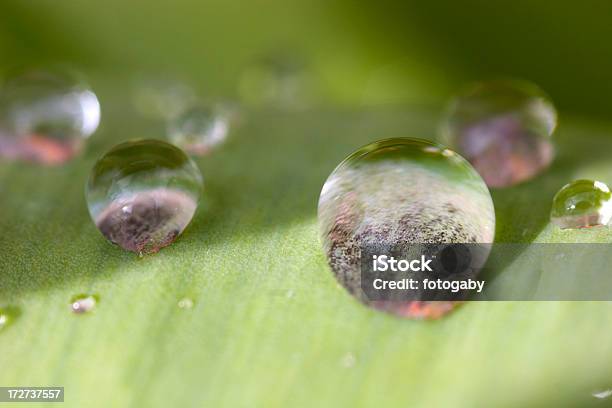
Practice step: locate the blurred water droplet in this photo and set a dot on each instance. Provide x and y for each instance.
(582, 203)
(278, 79)
(143, 194)
(348, 360)
(185, 303)
(8, 315)
(602, 394)
(162, 98)
(83, 303)
(199, 129)
(504, 129)
(289, 294)
(45, 116)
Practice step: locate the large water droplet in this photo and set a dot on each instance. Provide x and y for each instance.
(8, 315)
(504, 129)
(142, 194)
(45, 116)
(199, 129)
(582, 203)
(83, 303)
(401, 191)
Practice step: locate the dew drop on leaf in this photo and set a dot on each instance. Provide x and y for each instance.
(142, 194)
(161, 98)
(199, 129)
(581, 204)
(504, 129)
(602, 394)
(401, 191)
(185, 303)
(348, 360)
(277, 79)
(8, 315)
(46, 116)
(83, 303)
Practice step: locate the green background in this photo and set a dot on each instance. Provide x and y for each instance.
(270, 326)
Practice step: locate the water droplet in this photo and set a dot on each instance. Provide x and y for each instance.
(602, 394)
(582, 203)
(8, 315)
(401, 191)
(83, 303)
(504, 129)
(199, 129)
(142, 194)
(278, 79)
(162, 98)
(348, 360)
(185, 303)
(45, 116)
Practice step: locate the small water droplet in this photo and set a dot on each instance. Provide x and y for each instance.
(348, 360)
(289, 294)
(602, 394)
(159, 184)
(400, 192)
(199, 129)
(45, 116)
(162, 98)
(582, 203)
(185, 303)
(83, 303)
(504, 129)
(278, 79)
(8, 315)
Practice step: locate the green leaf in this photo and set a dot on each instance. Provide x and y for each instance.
(269, 325)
